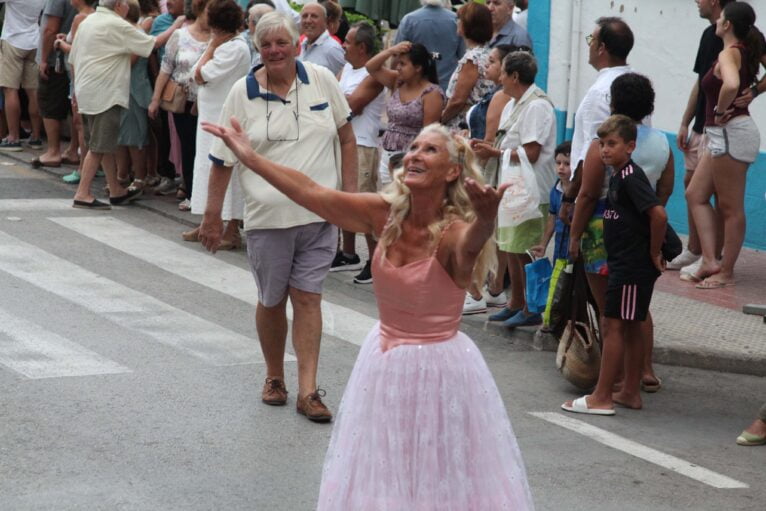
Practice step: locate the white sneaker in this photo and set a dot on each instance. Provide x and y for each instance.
(686, 258)
(472, 306)
(496, 301)
(688, 272)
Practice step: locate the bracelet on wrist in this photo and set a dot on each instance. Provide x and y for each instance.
(568, 200)
(754, 90)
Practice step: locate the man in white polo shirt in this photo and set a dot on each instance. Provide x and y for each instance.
(294, 114)
(100, 57)
(18, 69)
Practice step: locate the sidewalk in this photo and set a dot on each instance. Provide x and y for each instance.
(704, 329)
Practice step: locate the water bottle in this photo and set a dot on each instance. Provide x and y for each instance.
(59, 65)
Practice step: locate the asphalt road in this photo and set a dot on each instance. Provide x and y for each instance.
(131, 375)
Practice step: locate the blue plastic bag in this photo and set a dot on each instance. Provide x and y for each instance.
(538, 281)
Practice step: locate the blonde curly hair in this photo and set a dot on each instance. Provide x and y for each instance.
(456, 204)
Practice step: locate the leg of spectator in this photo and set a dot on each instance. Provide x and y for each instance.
(496, 285)
(349, 243)
(12, 113)
(90, 165)
(151, 156)
(34, 115)
(307, 332)
(72, 150)
(729, 183)
(694, 243)
(122, 162)
(613, 351)
(77, 123)
(647, 338)
(630, 394)
(164, 166)
(53, 133)
(516, 270)
(138, 162)
(186, 127)
(271, 325)
(109, 164)
(698, 196)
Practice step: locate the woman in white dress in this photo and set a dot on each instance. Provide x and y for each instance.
(226, 60)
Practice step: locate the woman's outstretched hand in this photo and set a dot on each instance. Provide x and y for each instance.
(235, 138)
(485, 199)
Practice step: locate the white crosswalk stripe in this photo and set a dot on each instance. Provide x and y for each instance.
(35, 352)
(338, 321)
(126, 307)
(35, 204)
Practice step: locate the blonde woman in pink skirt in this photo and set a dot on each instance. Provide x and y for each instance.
(421, 426)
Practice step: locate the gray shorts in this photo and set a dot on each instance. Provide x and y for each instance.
(739, 138)
(102, 131)
(296, 257)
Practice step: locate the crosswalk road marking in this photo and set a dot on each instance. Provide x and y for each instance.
(35, 352)
(638, 450)
(126, 307)
(196, 266)
(35, 204)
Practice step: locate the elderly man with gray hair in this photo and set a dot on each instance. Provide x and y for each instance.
(100, 58)
(319, 47)
(435, 27)
(293, 113)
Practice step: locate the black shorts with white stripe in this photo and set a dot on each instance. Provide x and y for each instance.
(629, 302)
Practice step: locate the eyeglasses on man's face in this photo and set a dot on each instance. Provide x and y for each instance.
(589, 39)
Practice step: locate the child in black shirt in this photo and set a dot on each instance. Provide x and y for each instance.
(634, 230)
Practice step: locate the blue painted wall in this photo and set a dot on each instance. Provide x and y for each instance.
(539, 27)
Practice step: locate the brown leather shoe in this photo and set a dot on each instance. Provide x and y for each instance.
(274, 392)
(313, 408)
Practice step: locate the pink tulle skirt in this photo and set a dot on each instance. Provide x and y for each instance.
(421, 428)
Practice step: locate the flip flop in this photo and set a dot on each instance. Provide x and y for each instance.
(749, 439)
(68, 161)
(651, 388)
(713, 284)
(36, 164)
(580, 405)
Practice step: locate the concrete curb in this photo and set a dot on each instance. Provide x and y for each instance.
(696, 357)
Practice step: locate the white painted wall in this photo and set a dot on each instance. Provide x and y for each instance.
(667, 34)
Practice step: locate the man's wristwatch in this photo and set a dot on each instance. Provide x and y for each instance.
(754, 90)
(568, 200)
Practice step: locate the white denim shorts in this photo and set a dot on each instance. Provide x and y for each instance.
(739, 138)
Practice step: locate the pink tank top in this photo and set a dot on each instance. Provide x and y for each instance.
(418, 302)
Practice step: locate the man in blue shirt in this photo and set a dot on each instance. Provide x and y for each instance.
(506, 31)
(434, 27)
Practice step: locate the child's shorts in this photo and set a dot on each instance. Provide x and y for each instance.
(629, 302)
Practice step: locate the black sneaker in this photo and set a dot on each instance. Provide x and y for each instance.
(364, 276)
(343, 263)
(35, 143)
(8, 146)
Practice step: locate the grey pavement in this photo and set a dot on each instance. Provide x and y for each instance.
(171, 424)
